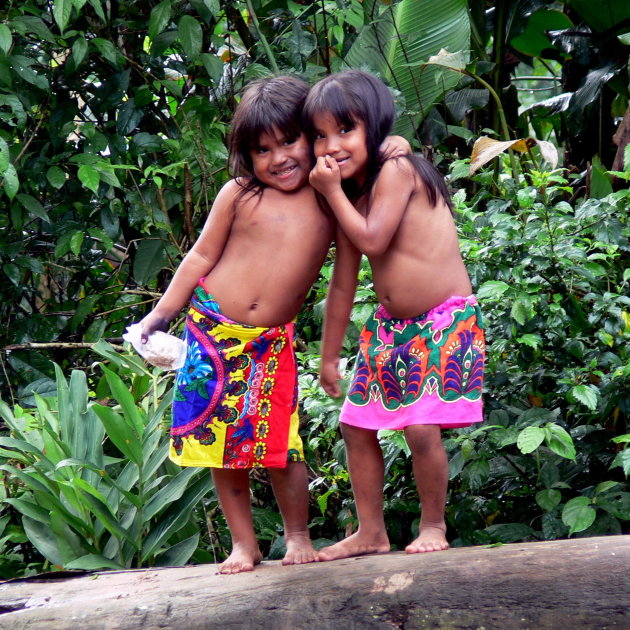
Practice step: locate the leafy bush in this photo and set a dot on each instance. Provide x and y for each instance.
(91, 480)
(111, 153)
(552, 278)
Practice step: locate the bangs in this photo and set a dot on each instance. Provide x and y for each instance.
(270, 105)
(266, 121)
(334, 99)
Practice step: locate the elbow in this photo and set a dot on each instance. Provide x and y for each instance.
(373, 248)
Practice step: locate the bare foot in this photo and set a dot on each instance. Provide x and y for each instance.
(431, 538)
(355, 545)
(241, 559)
(299, 549)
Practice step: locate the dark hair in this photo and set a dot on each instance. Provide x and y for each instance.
(266, 103)
(354, 95)
(349, 96)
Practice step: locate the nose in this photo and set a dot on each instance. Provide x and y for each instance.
(332, 144)
(278, 155)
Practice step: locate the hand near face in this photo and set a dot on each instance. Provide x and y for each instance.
(325, 176)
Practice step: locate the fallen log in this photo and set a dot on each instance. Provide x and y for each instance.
(582, 584)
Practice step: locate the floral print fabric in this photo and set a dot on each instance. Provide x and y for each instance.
(426, 370)
(235, 402)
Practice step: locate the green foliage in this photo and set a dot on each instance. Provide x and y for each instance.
(112, 147)
(106, 141)
(398, 60)
(553, 283)
(91, 480)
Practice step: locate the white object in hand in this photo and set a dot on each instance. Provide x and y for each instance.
(161, 349)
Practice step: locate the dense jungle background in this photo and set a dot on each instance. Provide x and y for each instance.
(114, 117)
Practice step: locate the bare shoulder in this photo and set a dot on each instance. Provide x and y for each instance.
(232, 188)
(398, 169)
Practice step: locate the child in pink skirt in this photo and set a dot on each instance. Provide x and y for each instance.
(421, 354)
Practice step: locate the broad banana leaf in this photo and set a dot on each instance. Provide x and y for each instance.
(395, 41)
(601, 15)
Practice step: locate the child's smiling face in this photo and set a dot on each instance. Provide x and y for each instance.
(280, 162)
(346, 144)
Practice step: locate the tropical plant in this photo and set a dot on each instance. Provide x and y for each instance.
(552, 278)
(111, 150)
(560, 68)
(91, 480)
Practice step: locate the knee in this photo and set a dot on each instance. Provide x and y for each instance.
(361, 442)
(423, 440)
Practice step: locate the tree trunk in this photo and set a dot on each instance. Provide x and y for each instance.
(621, 139)
(581, 583)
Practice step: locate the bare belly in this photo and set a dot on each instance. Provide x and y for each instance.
(417, 295)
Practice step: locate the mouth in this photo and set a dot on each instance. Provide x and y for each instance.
(285, 171)
(342, 161)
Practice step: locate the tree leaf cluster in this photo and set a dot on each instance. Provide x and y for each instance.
(114, 118)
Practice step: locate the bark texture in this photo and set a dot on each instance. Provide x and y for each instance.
(583, 583)
(621, 139)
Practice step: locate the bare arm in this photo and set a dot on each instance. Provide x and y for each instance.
(196, 264)
(372, 233)
(338, 307)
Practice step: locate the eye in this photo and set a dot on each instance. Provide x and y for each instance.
(345, 129)
(260, 150)
(319, 136)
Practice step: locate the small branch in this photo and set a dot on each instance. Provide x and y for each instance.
(263, 40)
(30, 139)
(54, 346)
(126, 306)
(188, 205)
(326, 55)
(153, 294)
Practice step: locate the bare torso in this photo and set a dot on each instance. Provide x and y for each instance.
(422, 266)
(274, 251)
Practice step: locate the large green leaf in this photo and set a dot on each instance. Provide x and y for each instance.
(159, 18)
(120, 433)
(80, 420)
(43, 539)
(190, 35)
(93, 562)
(601, 15)
(578, 514)
(21, 447)
(398, 37)
(176, 516)
(150, 259)
(529, 439)
(102, 475)
(126, 361)
(70, 545)
(179, 554)
(108, 519)
(133, 416)
(559, 441)
(61, 12)
(168, 493)
(32, 510)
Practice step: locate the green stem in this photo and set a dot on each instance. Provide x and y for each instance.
(504, 126)
(263, 39)
(140, 515)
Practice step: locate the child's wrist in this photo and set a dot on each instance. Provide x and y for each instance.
(159, 321)
(336, 196)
